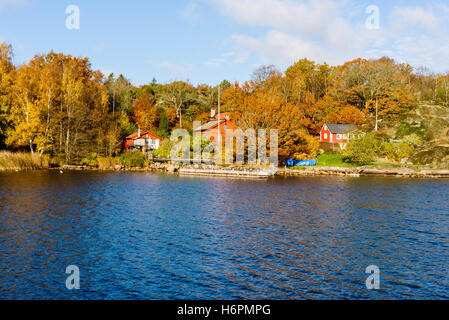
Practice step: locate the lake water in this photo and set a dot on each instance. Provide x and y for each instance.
(155, 236)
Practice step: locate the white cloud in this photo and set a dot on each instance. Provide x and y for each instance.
(228, 58)
(420, 36)
(423, 50)
(334, 31)
(11, 3)
(278, 47)
(404, 19)
(177, 69)
(318, 30)
(216, 62)
(286, 15)
(190, 12)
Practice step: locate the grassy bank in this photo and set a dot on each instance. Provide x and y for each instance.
(22, 161)
(337, 160)
(334, 160)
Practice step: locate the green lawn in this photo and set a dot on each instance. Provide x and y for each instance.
(333, 160)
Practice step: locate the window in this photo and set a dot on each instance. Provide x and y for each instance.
(225, 127)
(339, 136)
(325, 136)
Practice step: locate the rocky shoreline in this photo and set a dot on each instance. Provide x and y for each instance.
(236, 171)
(196, 169)
(401, 172)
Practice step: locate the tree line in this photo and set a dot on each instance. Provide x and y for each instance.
(56, 104)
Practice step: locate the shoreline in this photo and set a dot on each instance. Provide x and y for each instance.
(257, 172)
(399, 172)
(260, 172)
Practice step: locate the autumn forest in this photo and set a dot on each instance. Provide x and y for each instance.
(57, 105)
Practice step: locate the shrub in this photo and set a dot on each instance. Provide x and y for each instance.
(205, 141)
(413, 140)
(397, 151)
(57, 161)
(91, 160)
(364, 150)
(164, 149)
(133, 159)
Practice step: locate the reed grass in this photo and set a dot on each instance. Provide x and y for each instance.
(108, 162)
(22, 161)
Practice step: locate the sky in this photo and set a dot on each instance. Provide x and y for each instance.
(207, 41)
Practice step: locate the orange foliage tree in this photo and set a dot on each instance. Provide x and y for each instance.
(265, 107)
(351, 115)
(145, 114)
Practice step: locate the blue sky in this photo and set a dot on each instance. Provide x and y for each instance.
(206, 41)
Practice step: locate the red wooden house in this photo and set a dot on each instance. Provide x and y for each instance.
(215, 128)
(141, 140)
(338, 133)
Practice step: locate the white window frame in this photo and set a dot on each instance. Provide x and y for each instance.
(339, 136)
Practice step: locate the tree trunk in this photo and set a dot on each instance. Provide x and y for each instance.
(377, 127)
(61, 129)
(30, 141)
(47, 126)
(60, 136)
(31, 147)
(113, 104)
(67, 151)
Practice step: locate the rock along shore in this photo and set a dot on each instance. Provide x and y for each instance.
(237, 171)
(365, 171)
(198, 170)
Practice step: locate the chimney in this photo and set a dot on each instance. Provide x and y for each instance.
(213, 112)
(138, 133)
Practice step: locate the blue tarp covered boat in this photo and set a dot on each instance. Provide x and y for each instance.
(299, 163)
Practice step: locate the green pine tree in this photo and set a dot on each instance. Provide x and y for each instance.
(164, 125)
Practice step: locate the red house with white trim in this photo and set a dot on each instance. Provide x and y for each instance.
(140, 140)
(338, 133)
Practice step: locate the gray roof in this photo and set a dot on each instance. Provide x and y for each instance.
(341, 128)
(208, 125)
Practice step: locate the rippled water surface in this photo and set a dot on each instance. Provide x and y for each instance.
(150, 236)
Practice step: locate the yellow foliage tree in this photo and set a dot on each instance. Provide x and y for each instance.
(25, 109)
(7, 74)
